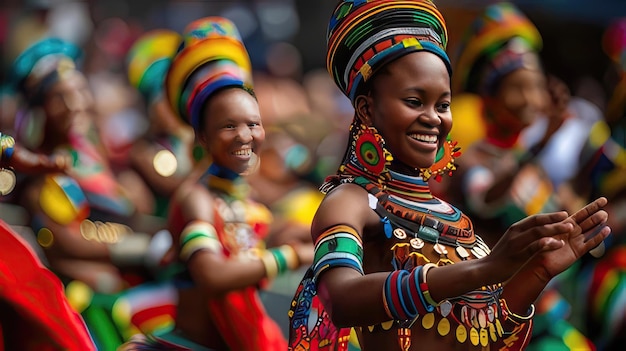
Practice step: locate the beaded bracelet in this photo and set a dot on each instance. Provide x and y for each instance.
(516, 318)
(403, 294)
(270, 264)
(198, 235)
(279, 260)
(424, 284)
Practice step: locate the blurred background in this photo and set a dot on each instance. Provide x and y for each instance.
(305, 115)
(288, 36)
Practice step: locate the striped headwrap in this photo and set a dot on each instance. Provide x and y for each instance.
(149, 59)
(41, 65)
(497, 43)
(211, 57)
(365, 35)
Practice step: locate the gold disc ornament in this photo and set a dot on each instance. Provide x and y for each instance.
(7, 181)
(461, 333)
(443, 327)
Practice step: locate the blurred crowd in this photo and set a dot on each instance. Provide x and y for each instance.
(120, 144)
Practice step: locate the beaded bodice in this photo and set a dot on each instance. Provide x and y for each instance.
(241, 223)
(420, 229)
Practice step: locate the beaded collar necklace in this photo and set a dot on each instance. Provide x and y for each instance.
(226, 182)
(408, 209)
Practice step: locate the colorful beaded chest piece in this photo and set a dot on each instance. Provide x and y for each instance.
(421, 232)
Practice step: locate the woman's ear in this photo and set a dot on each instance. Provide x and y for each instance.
(202, 139)
(362, 106)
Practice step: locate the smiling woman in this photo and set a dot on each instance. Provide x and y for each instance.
(217, 230)
(400, 266)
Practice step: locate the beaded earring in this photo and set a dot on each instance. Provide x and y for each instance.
(370, 151)
(444, 161)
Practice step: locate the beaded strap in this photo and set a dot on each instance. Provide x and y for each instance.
(198, 235)
(339, 246)
(517, 329)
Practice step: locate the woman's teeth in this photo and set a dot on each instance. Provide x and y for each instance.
(424, 138)
(243, 152)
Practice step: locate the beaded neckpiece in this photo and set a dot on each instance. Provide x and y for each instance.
(414, 217)
(408, 210)
(226, 182)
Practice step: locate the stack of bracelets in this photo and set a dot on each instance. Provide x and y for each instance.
(405, 294)
(199, 235)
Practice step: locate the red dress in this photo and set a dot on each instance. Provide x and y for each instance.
(35, 314)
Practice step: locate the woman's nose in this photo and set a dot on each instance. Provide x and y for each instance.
(430, 117)
(244, 134)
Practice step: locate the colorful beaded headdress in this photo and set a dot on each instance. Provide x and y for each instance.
(365, 35)
(42, 64)
(149, 59)
(212, 56)
(498, 42)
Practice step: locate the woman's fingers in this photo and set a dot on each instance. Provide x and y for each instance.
(593, 222)
(595, 239)
(540, 220)
(581, 215)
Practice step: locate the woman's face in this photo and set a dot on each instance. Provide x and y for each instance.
(66, 99)
(410, 106)
(232, 131)
(524, 94)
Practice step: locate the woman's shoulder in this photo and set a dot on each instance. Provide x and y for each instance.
(346, 204)
(192, 198)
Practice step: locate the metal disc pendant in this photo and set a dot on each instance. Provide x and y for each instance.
(484, 337)
(428, 321)
(478, 252)
(399, 233)
(440, 249)
(443, 327)
(490, 313)
(492, 332)
(474, 337)
(482, 319)
(499, 328)
(445, 307)
(417, 243)
(461, 333)
(7, 181)
(462, 252)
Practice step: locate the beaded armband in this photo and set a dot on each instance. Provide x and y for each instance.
(339, 246)
(198, 235)
(279, 260)
(6, 147)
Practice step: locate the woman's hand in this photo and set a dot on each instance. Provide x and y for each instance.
(25, 161)
(526, 238)
(589, 230)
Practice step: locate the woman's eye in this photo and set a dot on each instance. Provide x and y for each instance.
(414, 102)
(444, 107)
